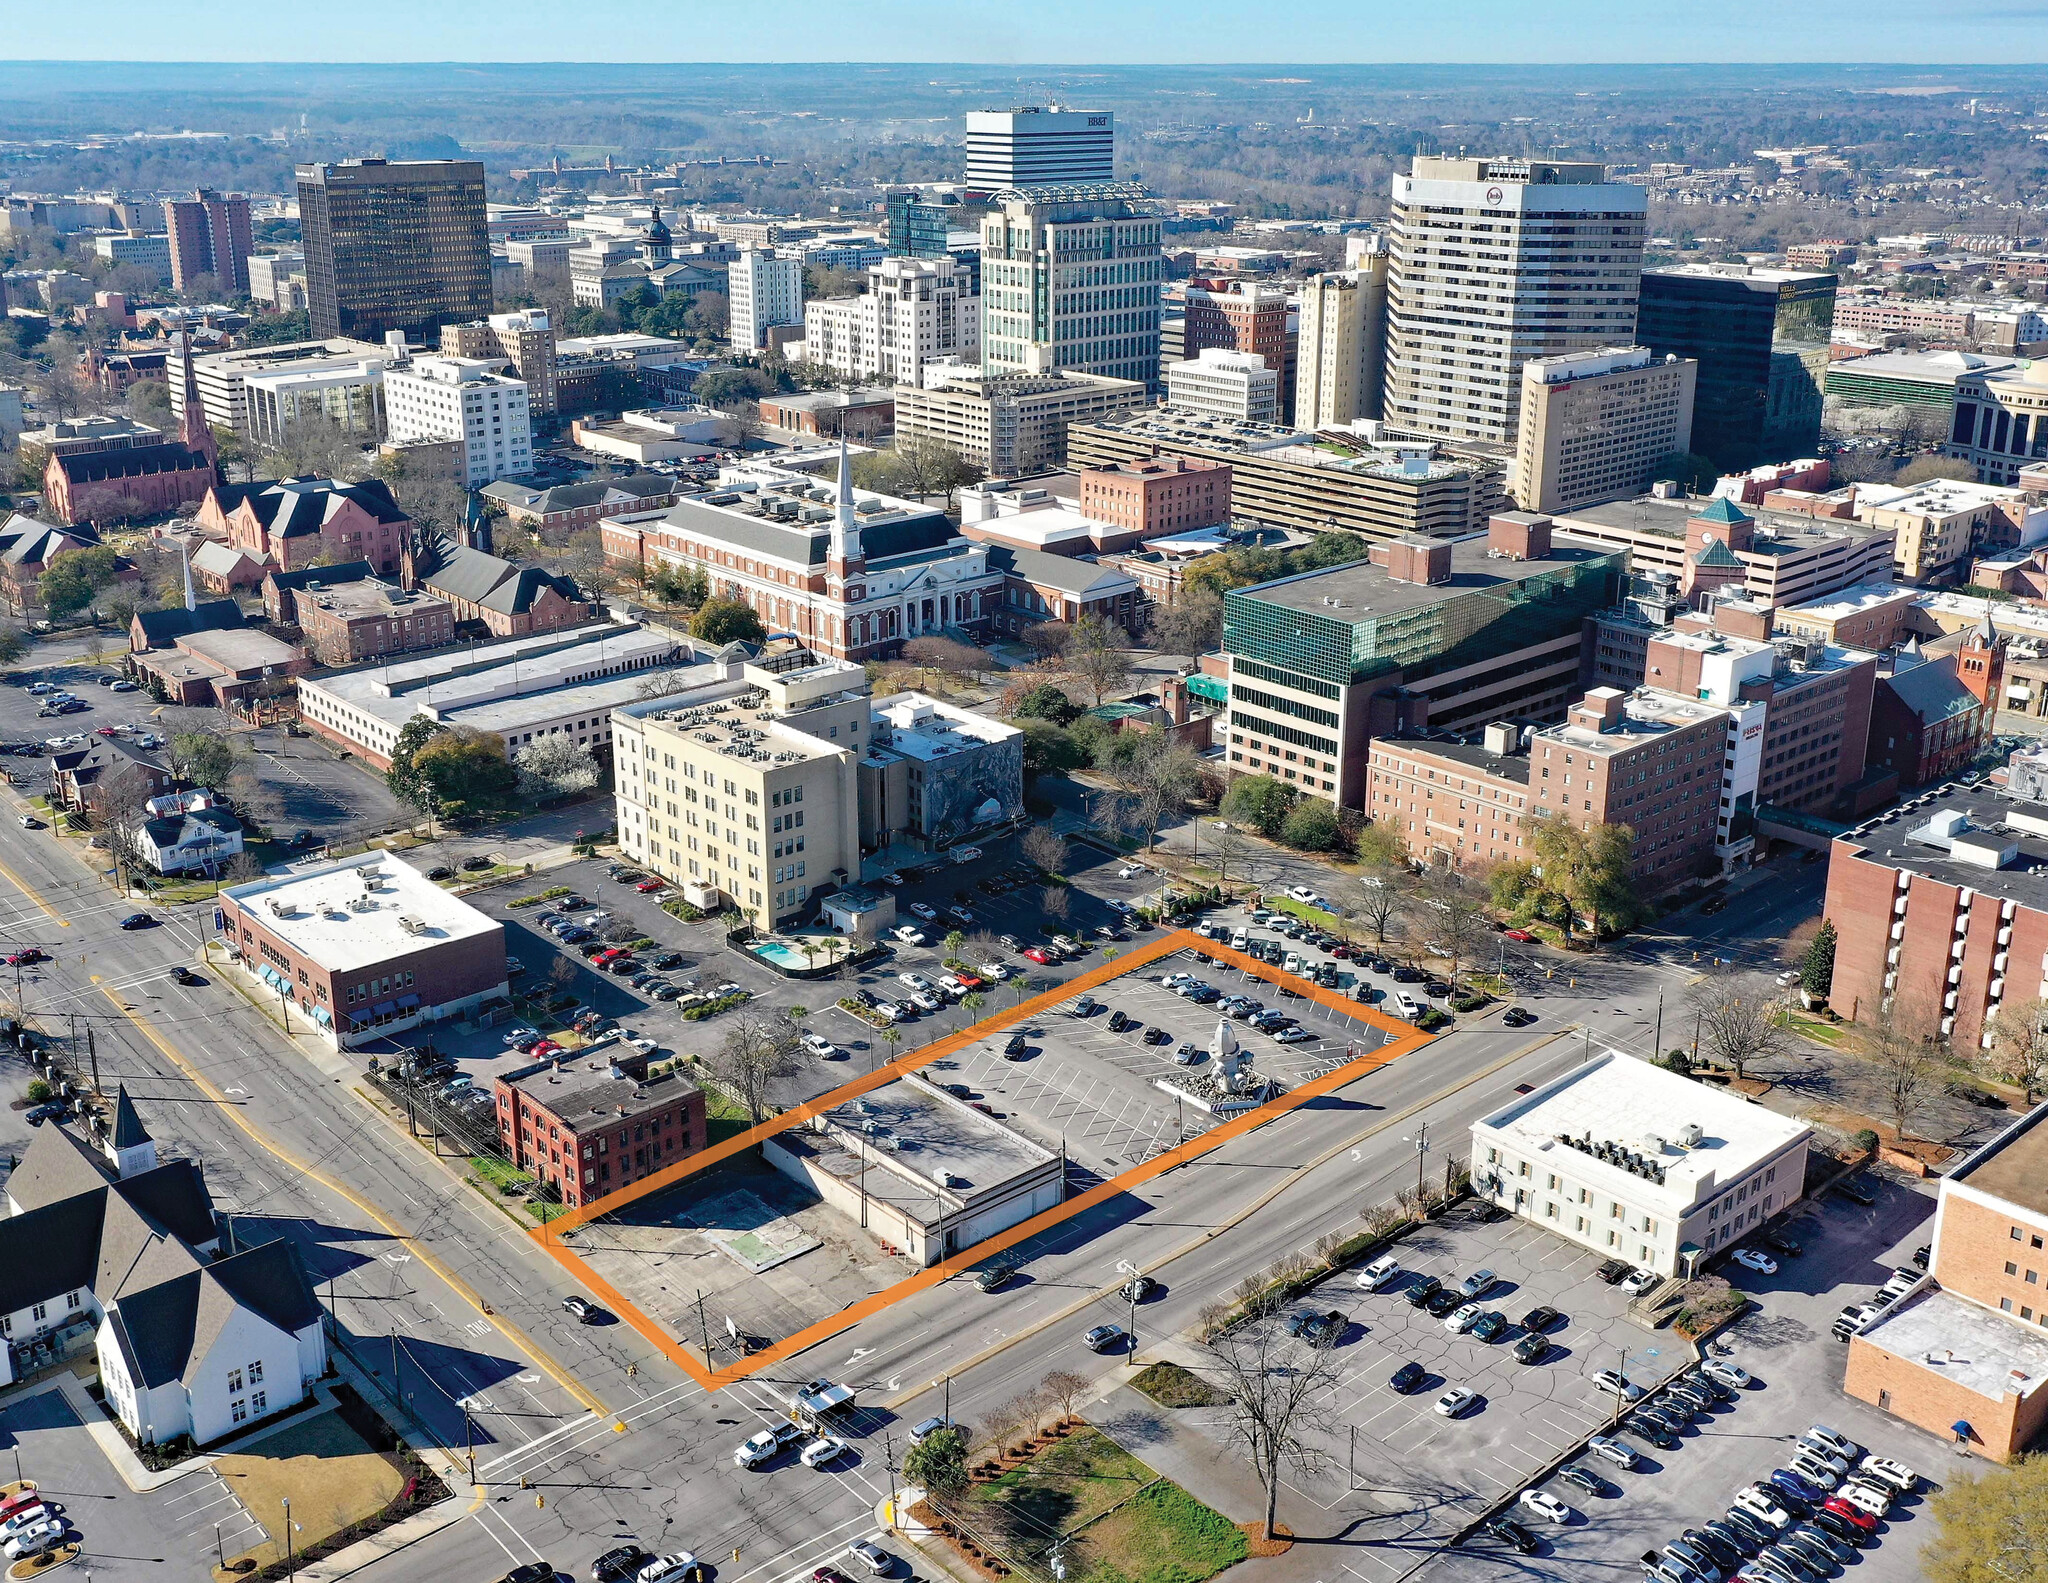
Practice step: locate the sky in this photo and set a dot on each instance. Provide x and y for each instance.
(1066, 32)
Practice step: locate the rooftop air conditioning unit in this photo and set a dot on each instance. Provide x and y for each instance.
(1691, 1134)
(411, 924)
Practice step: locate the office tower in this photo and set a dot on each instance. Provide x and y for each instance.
(394, 246)
(1760, 337)
(1340, 360)
(210, 234)
(1496, 261)
(1039, 146)
(1595, 425)
(916, 230)
(1070, 282)
(1242, 316)
(763, 290)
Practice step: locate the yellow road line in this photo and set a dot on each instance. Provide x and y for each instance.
(511, 1332)
(29, 891)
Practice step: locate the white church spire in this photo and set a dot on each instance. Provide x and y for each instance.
(846, 545)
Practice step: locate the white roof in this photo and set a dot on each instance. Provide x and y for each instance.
(1849, 601)
(312, 912)
(1982, 1351)
(1619, 1099)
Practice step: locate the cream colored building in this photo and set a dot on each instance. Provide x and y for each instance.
(914, 311)
(1070, 279)
(752, 800)
(1341, 363)
(1237, 387)
(1594, 425)
(1940, 525)
(1496, 261)
(1010, 423)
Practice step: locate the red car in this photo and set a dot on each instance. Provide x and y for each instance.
(1341, 953)
(15, 1504)
(1853, 1515)
(1519, 934)
(969, 981)
(1038, 956)
(610, 953)
(648, 887)
(28, 958)
(545, 1047)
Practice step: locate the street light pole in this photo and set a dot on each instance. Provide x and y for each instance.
(291, 1566)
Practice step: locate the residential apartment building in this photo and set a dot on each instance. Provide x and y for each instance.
(1039, 146)
(1965, 1357)
(209, 234)
(1011, 424)
(1340, 359)
(151, 252)
(1383, 491)
(466, 399)
(279, 279)
(1778, 558)
(1941, 526)
(1151, 499)
(1760, 338)
(735, 810)
(1456, 804)
(222, 377)
(590, 1129)
(1495, 261)
(1636, 1163)
(1070, 279)
(1594, 425)
(394, 245)
(1649, 760)
(762, 290)
(1238, 387)
(525, 339)
(914, 312)
(365, 948)
(1421, 634)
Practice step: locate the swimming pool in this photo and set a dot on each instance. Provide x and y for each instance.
(775, 951)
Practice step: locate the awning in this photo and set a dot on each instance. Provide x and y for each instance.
(407, 1002)
(321, 1016)
(1961, 1429)
(383, 1008)
(270, 976)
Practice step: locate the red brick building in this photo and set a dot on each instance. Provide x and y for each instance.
(1935, 713)
(348, 623)
(365, 947)
(1965, 1357)
(288, 523)
(1455, 803)
(1648, 760)
(127, 485)
(589, 1129)
(1153, 499)
(1242, 316)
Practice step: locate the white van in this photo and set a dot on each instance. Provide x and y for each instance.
(1239, 939)
(1405, 1004)
(1293, 962)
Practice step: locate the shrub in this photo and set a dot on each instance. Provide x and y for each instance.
(1866, 1140)
(39, 1092)
(1310, 826)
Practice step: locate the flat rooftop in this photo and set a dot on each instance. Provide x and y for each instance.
(1365, 592)
(1403, 462)
(1780, 533)
(1645, 715)
(1850, 601)
(1616, 1098)
(369, 597)
(1977, 1348)
(1468, 755)
(2014, 1165)
(344, 920)
(1906, 838)
(590, 1093)
(924, 729)
(931, 1154)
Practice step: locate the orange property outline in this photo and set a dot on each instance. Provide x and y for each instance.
(1404, 1039)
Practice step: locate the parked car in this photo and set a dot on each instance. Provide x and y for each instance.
(1510, 1532)
(1379, 1272)
(1779, 1242)
(1423, 1290)
(1727, 1373)
(1545, 1505)
(1610, 1449)
(1408, 1378)
(1753, 1259)
(1614, 1385)
(1457, 1402)
(1639, 1282)
(1855, 1190)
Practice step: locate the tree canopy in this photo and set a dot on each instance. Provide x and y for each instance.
(1047, 702)
(1261, 802)
(73, 577)
(721, 621)
(1991, 1526)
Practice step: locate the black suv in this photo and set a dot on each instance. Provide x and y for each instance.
(1422, 1291)
(1614, 1271)
(1408, 1378)
(1532, 1348)
(618, 1563)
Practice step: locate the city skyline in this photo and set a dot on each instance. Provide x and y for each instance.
(1136, 32)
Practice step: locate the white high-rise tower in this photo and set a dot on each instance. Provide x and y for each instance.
(1496, 261)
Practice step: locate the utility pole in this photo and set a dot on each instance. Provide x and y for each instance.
(704, 1327)
(93, 1054)
(1131, 1357)
(1657, 1045)
(1698, 1013)
(889, 1451)
(291, 1565)
(1421, 1149)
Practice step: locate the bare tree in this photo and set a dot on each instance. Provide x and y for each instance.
(1001, 1424)
(1454, 909)
(1278, 1388)
(759, 1049)
(1098, 656)
(1191, 625)
(1065, 1387)
(1044, 848)
(1029, 1408)
(1374, 899)
(1227, 850)
(1907, 1050)
(2019, 1046)
(1738, 1021)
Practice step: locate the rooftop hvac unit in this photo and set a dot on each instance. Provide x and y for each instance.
(1691, 1135)
(279, 908)
(411, 924)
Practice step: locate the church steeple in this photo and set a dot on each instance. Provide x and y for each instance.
(846, 547)
(193, 428)
(129, 1145)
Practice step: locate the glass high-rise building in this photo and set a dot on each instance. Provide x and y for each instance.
(917, 229)
(394, 246)
(1070, 280)
(1760, 337)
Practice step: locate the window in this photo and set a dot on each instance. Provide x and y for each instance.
(234, 1381)
(2011, 1268)
(256, 1372)
(70, 1299)
(39, 1312)
(238, 1410)
(257, 1403)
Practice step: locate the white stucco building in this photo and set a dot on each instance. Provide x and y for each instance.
(467, 399)
(1225, 384)
(914, 311)
(762, 290)
(1637, 1163)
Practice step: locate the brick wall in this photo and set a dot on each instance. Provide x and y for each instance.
(1917, 1392)
(1978, 1256)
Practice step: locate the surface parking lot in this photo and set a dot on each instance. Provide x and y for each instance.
(1097, 1089)
(1797, 1368)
